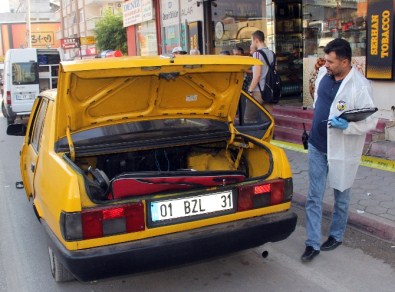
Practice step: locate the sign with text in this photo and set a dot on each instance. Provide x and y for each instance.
(191, 11)
(88, 40)
(170, 12)
(42, 39)
(137, 11)
(380, 40)
(70, 43)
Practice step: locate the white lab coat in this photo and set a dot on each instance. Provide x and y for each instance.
(345, 146)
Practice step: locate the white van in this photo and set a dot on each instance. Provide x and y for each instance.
(21, 79)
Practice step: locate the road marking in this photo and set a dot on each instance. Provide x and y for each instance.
(368, 161)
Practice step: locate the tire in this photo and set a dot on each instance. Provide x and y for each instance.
(59, 272)
(10, 121)
(3, 109)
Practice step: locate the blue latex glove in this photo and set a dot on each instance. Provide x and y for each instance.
(338, 123)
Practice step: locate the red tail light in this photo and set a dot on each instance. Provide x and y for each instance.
(92, 225)
(100, 222)
(277, 193)
(113, 213)
(262, 189)
(262, 195)
(8, 97)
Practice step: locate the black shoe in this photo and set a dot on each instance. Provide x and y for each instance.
(330, 244)
(309, 254)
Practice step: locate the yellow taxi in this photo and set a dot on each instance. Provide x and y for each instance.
(138, 163)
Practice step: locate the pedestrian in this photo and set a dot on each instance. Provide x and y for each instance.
(178, 51)
(194, 52)
(225, 52)
(252, 50)
(335, 145)
(238, 51)
(259, 73)
(248, 75)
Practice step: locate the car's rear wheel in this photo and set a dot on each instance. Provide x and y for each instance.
(59, 272)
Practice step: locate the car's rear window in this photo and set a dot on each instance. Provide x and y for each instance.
(148, 131)
(24, 73)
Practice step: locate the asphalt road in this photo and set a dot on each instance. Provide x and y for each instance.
(363, 263)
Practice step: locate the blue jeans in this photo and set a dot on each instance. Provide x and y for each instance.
(318, 172)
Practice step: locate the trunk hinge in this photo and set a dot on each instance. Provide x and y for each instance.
(232, 132)
(70, 140)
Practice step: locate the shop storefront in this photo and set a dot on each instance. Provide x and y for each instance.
(182, 25)
(322, 22)
(297, 30)
(139, 19)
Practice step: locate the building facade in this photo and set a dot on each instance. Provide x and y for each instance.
(296, 30)
(78, 20)
(15, 28)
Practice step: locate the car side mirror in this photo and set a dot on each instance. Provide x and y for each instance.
(16, 130)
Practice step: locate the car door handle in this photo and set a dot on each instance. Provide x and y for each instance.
(32, 167)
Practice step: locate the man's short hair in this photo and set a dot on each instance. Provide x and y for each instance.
(259, 35)
(340, 47)
(240, 49)
(226, 52)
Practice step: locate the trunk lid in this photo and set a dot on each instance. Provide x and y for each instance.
(102, 92)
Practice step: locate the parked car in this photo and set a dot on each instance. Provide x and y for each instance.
(26, 73)
(137, 163)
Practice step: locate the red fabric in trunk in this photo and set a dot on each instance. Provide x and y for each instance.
(138, 186)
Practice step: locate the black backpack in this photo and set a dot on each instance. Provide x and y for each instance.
(272, 91)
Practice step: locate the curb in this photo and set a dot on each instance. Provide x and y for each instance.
(368, 161)
(363, 223)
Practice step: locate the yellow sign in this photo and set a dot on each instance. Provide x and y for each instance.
(42, 39)
(89, 40)
(380, 36)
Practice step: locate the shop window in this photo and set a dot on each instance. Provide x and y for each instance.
(289, 47)
(234, 22)
(171, 37)
(326, 20)
(146, 39)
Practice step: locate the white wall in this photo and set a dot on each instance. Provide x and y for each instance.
(384, 98)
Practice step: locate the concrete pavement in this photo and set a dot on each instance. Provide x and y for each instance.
(372, 206)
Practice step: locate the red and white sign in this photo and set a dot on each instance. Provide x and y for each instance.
(70, 43)
(137, 11)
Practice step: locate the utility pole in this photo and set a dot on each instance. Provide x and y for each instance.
(28, 26)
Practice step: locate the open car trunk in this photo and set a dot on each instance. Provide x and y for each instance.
(195, 166)
(149, 126)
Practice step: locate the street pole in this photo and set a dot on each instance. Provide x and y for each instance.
(28, 26)
(207, 10)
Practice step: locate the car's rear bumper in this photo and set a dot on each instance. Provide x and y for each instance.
(11, 114)
(174, 249)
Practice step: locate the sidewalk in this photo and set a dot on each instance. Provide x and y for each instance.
(372, 206)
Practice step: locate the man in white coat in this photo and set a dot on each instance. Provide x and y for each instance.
(335, 145)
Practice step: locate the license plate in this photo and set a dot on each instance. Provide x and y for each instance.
(201, 206)
(24, 96)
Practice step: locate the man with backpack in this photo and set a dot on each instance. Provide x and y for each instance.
(259, 74)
